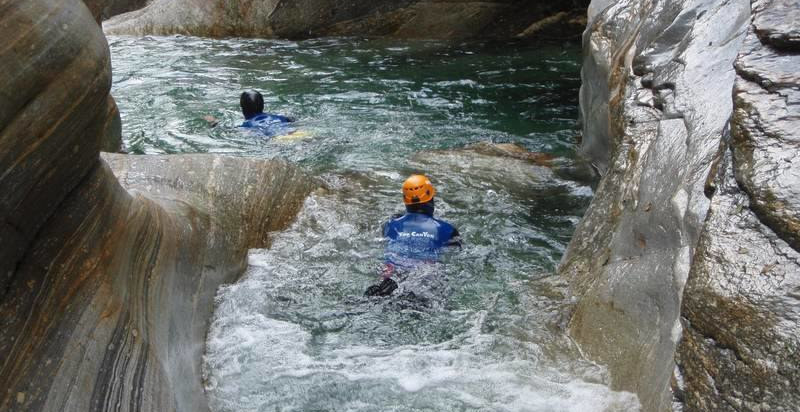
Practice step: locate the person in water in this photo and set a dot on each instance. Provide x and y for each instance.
(252, 104)
(415, 237)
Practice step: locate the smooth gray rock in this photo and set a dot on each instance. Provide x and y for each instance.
(651, 72)
(766, 137)
(507, 167)
(691, 112)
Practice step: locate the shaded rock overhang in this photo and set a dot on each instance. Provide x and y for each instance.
(293, 19)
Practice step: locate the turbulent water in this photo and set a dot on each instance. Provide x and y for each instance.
(479, 332)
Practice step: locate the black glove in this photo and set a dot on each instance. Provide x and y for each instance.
(385, 288)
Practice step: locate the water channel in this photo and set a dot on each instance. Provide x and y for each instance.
(295, 334)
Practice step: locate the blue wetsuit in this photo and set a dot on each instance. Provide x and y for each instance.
(269, 124)
(416, 238)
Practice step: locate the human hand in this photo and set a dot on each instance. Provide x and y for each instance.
(388, 270)
(385, 288)
(212, 121)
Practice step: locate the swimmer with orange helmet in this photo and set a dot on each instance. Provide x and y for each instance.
(415, 237)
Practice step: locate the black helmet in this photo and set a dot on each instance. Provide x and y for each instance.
(252, 103)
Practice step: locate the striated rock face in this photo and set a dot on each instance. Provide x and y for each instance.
(51, 129)
(690, 112)
(314, 18)
(106, 288)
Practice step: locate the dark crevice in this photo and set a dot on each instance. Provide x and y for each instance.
(777, 41)
(718, 164)
(766, 84)
(774, 223)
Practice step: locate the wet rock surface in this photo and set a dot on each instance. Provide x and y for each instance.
(654, 140)
(739, 350)
(54, 112)
(766, 139)
(692, 236)
(521, 172)
(741, 307)
(314, 18)
(107, 288)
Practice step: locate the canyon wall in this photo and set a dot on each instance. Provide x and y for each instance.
(294, 19)
(741, 310)
(685, 269)
(109, 266)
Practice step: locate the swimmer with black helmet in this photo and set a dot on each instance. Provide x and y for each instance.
(252, 104)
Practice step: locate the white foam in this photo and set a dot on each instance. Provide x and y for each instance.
(279, 339)
(247, 350)
(463, 82)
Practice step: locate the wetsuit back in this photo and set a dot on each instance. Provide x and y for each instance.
(417, 237)
(269, 124)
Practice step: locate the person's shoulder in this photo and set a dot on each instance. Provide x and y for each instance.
(278, 118)
(450, 232)
(392, 223)
(395, 219)
(443, 222)
(254, 121)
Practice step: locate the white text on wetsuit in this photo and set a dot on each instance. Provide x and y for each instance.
(416, 234)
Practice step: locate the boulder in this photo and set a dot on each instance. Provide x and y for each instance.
(115, 7)
(455, 19)
(765, 135)
(500, 165)
(547, 188)
(508, 164)
(54, 112)
(109, 266)
(775, 23)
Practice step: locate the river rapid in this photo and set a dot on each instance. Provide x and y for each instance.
(483, 330)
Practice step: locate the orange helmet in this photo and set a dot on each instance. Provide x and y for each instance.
(417, 189)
